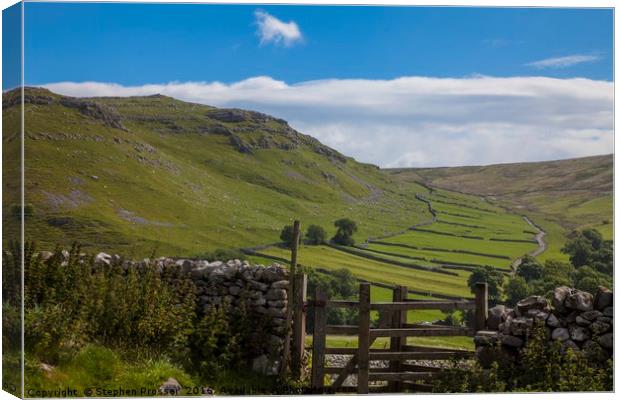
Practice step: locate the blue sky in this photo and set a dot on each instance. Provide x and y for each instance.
(136, 43)
(395, 86)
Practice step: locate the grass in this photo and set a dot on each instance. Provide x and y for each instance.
(374, 271)
(99, 367)
(169, 186)
(453, 342)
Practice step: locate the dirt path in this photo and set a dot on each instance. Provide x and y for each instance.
(539, 237)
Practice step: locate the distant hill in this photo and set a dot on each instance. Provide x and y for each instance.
(143, 174)
(573, 193)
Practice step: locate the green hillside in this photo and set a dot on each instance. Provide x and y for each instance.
(559, 195)
(143, 174)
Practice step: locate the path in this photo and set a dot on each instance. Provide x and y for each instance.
(539, 237)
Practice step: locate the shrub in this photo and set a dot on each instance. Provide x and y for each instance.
(344, 234)
(540, 368)
(287, 237)
(516, 289)
(492, 277)
(315, 235)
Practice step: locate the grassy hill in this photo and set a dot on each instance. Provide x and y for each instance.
(557, 195)
(143, 174)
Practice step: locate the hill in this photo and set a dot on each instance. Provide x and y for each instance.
(143, 174)
(558, 195)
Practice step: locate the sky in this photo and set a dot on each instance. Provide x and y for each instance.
(394, 86)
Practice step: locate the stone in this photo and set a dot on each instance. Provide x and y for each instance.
(512, 341)
(276, 294)
(45, 255)
(553, 321)
(608, 311)
(103, 258)
(579, 300)
(560, 334)
(582, 321)
(569, 344)
(591, 315)
(521, 326)
(606, 341)
(579, 333)
(234, 290)
(263, 365)
(559, 295)
(532, 302)
(599, 328)
(259, 286)
(198, 273)
(603, 298)
(496, 315)
(276, 312)
(594, 351)
(605, 320)
(486, 340)
(280, 285)
(277, 303)
(171, 387)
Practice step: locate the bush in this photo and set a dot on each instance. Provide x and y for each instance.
(287, 237)
(315, 235)
(344, 234)
(540, 368)
(492, 277)
(516, 289)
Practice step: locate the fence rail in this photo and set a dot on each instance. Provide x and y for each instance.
(393, 324)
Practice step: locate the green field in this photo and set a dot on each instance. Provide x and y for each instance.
(330, 259)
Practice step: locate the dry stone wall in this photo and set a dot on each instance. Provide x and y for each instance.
(262, 289)
(574, 318)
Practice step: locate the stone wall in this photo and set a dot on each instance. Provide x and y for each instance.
(575, 318)
(264, 289)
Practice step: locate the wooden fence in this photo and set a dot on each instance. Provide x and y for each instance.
(393, 324)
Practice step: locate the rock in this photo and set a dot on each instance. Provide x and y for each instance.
(559, 295)
(603, 298)
(605, 320)
(560, 334)
(259, 286)
(198, 273)
(579, 300)
(521, 326)
(606, 341)
(280, 285)
(171, 387)
(591, 315)
(599, 328)
(234, 290)
(594, 351)
(608, 312)
(276, 294)
(496, 315)
(553, 321)
(512, 341)
(569, 344)
(277, 303)
(486, 340)
(579, 334)
(103, 258)
(532, 302)
(45, 255)
(582, 321)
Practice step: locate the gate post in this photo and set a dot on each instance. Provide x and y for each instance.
(299, 324)
(318, 340)
(399, 318)
(482, 306)
(363, 342)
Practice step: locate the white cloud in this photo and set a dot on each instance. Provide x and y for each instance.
(272, 30)
(418, 121)
(563, 62)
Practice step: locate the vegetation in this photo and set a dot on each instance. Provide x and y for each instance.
(492, 277)
(105, 322)
(316, 235)
(287, 236)
(541, 368)
(344, 234)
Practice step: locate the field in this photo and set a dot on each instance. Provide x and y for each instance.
(435, 258)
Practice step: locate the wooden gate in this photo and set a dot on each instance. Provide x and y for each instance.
(400, 375)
